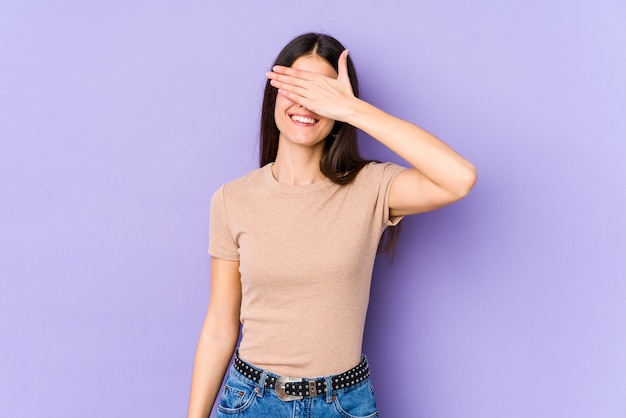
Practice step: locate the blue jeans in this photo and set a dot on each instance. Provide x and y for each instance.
(242, 397)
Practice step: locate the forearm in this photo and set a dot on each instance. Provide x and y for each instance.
(213, 354)
(422, 150)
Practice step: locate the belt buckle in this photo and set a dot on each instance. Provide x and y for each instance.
(280, 388)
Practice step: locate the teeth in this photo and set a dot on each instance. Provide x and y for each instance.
(303, 119)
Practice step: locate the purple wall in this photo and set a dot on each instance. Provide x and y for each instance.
(119, 119)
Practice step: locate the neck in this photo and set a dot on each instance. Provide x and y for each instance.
(298, 165)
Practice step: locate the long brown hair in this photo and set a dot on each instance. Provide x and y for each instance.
(341, 160)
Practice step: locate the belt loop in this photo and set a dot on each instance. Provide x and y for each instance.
(329, 389)
(261, 387)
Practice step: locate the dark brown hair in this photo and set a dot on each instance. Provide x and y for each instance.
(341, 160)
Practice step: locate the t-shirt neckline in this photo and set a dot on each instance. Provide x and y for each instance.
(269, 179)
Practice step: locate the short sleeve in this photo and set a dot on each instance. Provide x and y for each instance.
(388, 172)
(221, 241)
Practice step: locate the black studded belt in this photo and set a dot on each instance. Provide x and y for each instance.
(295, 388)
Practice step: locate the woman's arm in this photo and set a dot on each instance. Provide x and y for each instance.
(439, 175)
(218, 338)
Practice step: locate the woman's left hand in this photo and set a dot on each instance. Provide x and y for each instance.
(326, 96)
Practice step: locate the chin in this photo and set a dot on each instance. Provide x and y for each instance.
(305, 140)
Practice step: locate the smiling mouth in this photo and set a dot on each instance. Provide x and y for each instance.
(303, 119)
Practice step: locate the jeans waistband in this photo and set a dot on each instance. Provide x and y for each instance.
(295, 388)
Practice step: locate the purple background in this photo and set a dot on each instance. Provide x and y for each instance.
(118, 120)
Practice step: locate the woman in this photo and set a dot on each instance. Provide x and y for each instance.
(293, 243)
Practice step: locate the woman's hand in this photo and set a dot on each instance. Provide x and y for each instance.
(326, 96)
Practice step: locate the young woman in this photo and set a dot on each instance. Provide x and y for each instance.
(293, 243)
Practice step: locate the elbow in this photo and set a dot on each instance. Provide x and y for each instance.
(466, 181)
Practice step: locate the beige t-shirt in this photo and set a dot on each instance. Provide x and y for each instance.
(306, 256)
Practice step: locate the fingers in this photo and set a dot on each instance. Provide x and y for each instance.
(274, 76)
(286, 87)
(296, 98)
(282, 81)
(280, 78)
(342, 66)
(291, 87)
(290, 72)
